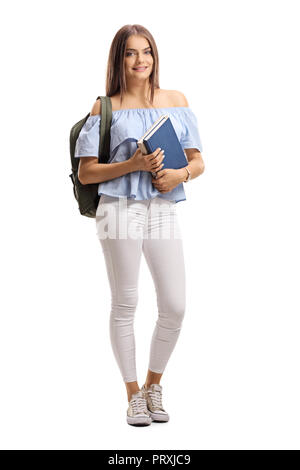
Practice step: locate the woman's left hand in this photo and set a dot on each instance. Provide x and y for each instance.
(166, 180)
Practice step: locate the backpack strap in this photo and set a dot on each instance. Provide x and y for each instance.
(106, 118)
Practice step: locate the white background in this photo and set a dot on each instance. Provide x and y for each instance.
(232, 381)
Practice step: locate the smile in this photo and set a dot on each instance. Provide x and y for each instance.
(140, 69)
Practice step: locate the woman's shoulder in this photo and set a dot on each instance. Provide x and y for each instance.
(96, 108)
(171, 98)
(176, 98)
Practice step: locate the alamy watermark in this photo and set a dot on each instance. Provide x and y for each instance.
(121, 219)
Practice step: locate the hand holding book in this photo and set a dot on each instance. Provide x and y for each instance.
(167, 179)
(151, 162)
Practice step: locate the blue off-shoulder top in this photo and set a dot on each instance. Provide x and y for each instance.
(127, 127)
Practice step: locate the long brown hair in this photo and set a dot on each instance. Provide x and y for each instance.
(115, 75)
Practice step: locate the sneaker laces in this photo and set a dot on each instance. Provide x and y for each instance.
(139, 405)
(156, 398)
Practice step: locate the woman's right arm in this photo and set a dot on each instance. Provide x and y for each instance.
(93, 172)
(90, 171)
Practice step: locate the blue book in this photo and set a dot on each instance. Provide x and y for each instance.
(162, 134)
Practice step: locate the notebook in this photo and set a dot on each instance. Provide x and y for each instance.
(162, 134)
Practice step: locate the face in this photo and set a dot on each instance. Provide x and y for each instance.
(138, 54)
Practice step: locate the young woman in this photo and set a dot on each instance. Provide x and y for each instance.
(139, 209)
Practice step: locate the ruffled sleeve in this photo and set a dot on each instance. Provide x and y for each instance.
(87, 144)
(190, 137)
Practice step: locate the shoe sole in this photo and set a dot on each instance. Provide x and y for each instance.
(139, 421)
(158, 418)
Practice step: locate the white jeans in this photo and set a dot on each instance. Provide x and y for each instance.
(126, 228)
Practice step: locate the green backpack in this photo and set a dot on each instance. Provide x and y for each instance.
(87, 194)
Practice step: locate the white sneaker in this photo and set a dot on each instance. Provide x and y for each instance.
(154, 403)
(137, 413)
